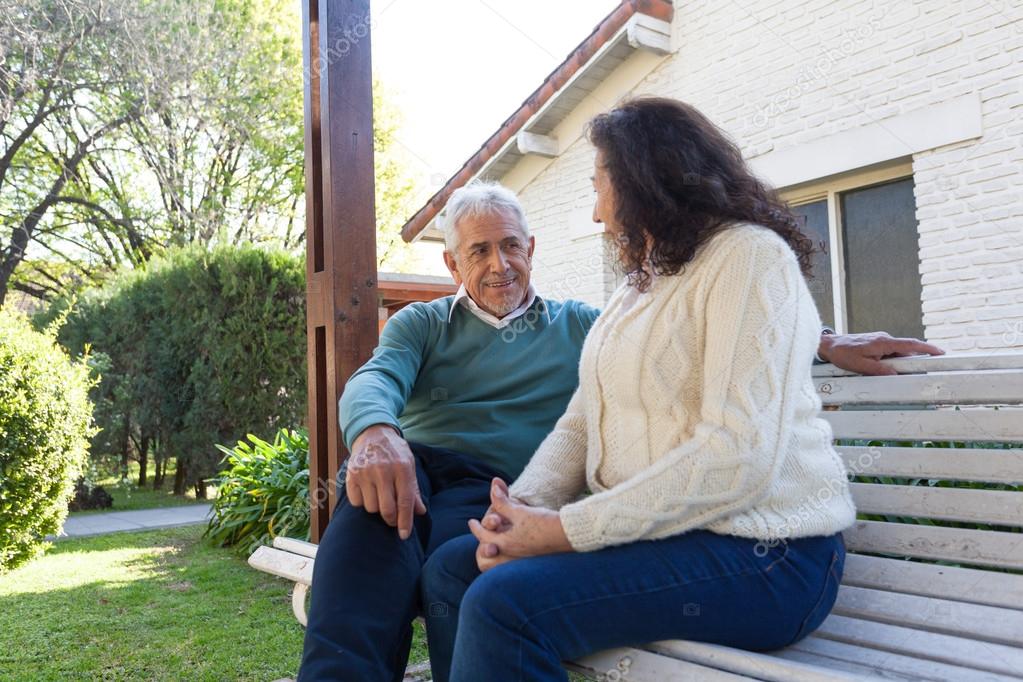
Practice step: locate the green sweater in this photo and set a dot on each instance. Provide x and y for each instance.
(466, 386)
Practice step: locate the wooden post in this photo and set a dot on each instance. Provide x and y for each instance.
(341, 275)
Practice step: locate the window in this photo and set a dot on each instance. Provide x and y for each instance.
(815, 213)
(866, 273)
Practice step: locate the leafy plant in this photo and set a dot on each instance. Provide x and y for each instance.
(264, 492)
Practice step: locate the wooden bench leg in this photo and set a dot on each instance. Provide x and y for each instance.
(298, 603)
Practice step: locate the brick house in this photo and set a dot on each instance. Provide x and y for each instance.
(895, 128)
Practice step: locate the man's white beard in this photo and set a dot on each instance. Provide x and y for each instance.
(506, 309)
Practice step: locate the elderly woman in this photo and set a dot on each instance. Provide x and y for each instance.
(717, 499)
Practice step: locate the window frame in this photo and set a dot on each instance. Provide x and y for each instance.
(829, 189)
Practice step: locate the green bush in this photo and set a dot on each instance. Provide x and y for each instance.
(45, 425)
(200, 347)
(264, 492)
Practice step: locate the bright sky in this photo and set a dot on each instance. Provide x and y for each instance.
(458, 68)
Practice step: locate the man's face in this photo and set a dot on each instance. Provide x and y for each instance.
(493, 261)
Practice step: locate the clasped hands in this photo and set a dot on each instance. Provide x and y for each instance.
(513, 530)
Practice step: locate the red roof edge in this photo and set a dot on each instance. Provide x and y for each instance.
(659, 9)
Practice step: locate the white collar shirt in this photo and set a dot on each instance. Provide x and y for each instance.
(462, 298)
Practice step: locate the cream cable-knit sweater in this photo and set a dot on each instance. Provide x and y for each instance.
(695, 409)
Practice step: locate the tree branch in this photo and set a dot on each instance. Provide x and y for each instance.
(23, 233)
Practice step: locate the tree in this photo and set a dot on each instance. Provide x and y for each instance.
(223, 145)
(196, 348)
(54, 111)
(129, 127)
(394, 186)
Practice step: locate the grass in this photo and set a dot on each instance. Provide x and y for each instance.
(154, 605)
(128, 496)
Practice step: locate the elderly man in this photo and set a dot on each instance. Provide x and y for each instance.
(460, 390)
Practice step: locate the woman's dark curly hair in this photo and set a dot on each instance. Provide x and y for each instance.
(677, 180)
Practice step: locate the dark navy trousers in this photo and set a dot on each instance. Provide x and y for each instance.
(366, 580)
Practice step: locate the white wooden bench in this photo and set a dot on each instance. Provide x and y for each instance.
(918, 600)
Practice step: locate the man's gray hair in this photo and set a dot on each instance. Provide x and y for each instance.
(476, 199)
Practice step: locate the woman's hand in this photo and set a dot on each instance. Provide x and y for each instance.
(492, 520)
(513, 530)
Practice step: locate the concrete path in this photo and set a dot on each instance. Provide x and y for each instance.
(79, 525)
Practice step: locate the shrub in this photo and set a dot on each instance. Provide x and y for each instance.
(45, 425)
(200, 347)
(89, 496)
(264, 492)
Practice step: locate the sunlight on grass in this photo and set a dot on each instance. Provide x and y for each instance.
(156, 605)
(103, 567)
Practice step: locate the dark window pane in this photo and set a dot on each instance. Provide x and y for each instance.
(816, 228)
(882, 254)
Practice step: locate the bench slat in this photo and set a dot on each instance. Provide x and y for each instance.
(952, 464)
(977, 547)
(931, 580)
(294, 546)
(989, 623)
(646, 666)
(999, 507)
(826, 663)
(980, 424)
(759, 666)
(960, 651)
(864, 660)
(294, 567)
(917, 364)
(894, 619)
(988, 388)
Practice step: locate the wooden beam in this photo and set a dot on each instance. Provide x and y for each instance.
(534, 143)
(431, 289)
(340, 226)
(649, 33)
(403, 297)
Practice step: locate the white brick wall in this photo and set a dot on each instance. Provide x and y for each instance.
(564, 267)
(777, 74)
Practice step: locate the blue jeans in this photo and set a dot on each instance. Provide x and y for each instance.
(365, 591)
(520, 620)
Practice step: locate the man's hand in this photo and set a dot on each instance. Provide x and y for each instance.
(860, 353)
(381, 478)
(515, 530)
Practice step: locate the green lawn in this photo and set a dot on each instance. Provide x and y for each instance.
(155, 605)
(128, 496)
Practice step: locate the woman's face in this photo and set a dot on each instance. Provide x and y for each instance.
(604, 206)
